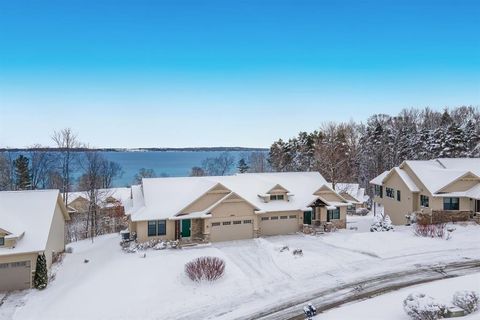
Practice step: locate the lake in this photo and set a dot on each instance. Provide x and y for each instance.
(169, 163)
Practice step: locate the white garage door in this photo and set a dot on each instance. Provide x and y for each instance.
(237, 229)
(15, 275)
(281, 224)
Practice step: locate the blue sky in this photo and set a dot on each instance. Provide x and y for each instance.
(232, 73)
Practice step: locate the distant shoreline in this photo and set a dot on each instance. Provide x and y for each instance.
(190, 149)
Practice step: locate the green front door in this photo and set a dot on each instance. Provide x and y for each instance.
(307, 217)
(186, 228)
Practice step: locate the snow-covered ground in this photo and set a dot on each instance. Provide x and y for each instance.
(389, 306)
(118, 285)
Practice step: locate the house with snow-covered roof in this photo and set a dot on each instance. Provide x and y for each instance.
(444, 189)
(31, 223)
(242, 206)
(353, 193)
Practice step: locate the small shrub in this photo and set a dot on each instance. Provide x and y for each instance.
(381, 224)
(430, 230)
(40, 279)
(298, 253)
(362, 211)
(467, 300)
(205, 268)
(418, 306)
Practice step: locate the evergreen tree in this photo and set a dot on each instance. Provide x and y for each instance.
(40, 280)
(242, 166)
(454, 144)
(23, 179)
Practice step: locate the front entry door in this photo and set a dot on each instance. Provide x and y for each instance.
(186, 224)
(478, 206)
(307, 217)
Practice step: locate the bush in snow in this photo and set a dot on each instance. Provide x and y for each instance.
(133, 246)
(431, 230)
(205, 268)
(381, 223)
(467, 300)
(418, 306)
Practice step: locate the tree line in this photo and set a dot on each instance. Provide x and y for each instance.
(357, 152)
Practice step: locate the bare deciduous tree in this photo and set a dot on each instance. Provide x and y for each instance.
(66, 142)
(143, 173)
(197, 172)
(219, 166)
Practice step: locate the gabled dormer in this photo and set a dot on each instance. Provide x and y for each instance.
(9, 239)
(461, 184)
(277, 193)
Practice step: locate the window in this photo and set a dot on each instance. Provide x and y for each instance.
(451, 203)
(351, 208)
(215, 224)
(379, 191)
(237, 222)
(264, 218)
(247, 221)
(162, 228)
(333, 214)
(390, 192)
(157, 228)
(399, 198)
(424, 201)
(227, 223)
(284, 217)
(274, 218)
(2, 241)
(152, 228)
(276, 197)
(293, 217)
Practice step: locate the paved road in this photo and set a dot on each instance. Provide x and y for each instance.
(368, 287)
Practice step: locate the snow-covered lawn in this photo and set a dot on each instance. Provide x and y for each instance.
(118, 285)
(389, 306)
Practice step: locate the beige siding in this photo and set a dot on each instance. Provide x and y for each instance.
(56, 238)
(142, 231)
(461, 185)
(204, 202)
(394, 208)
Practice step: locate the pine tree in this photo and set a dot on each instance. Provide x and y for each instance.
(40, 280)
(22, 173)
(242, 166)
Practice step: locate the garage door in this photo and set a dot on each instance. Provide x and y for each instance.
(281, 224)
(15, 275)
(231, 230)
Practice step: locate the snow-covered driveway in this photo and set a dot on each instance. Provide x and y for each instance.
(117, 285)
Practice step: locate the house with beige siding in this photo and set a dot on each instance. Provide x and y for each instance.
(353, 193)
(439, 189)
(31, 223)
(236, 207)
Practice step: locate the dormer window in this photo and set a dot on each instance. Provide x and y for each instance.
(2, 241)
(277, 197)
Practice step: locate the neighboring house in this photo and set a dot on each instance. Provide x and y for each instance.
(235, 207)
(444, 189)
(31, 222)
(110, 211)
(354, 194)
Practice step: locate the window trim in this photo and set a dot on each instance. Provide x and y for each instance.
(332, 213)
(275, 197)
(424, 200)
(154, 229)
(450, 204)
(392, 194)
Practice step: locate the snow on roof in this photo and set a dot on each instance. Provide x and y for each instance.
(435, 175)
(463, 164)
(120, 194)
(406, 178)
(378, 180)
(353, 189)
(166, 197)
(29, 213)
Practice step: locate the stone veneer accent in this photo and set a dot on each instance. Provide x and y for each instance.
(441, 216)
